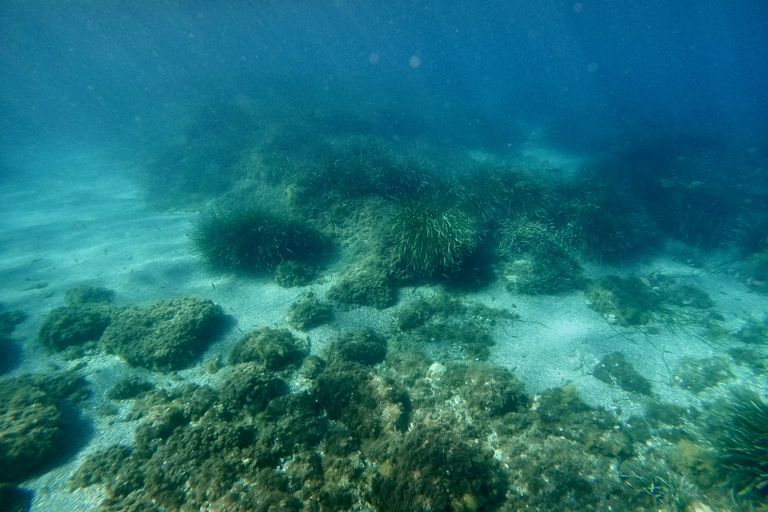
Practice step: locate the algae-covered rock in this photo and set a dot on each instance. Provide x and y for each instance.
(293, 273)
(695, 374)
(308, 314)
(615, 369)
(275, 349)
(31, 426)
(436, 469)
(486, 388)
(129, 387)
(165, 336)
(76, 325)
(8, 322)
(367, 283)
(248, 390)
(364, 347)
(352, 395)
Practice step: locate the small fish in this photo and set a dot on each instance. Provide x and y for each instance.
(645, 281)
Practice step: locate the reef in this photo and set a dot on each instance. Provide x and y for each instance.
(32, 426)
(275, 349)
(164, 336)
(308, 313)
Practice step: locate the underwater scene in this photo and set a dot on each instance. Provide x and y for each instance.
(393, 256)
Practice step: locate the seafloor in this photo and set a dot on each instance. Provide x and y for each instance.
(525, 367)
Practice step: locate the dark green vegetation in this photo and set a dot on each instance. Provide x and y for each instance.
(251, 241)
(33, 431)
(430, 237)
(14, 499)
(450, 325)
(739, 431)
(532, 261)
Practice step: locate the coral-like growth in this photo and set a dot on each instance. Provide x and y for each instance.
(252, 240)
(429, 237)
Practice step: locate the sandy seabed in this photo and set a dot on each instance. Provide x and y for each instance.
(71, 216)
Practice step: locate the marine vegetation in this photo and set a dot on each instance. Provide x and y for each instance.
(430, 237)
(369, 282)
(434, 469)
(634, 301)
(78, 325)
(739, 432)
(604, 224)
(164, 336)
(275, 349)
(251, 241)
(32, 427)
(532, 261)
(308, 313)
(616, 370)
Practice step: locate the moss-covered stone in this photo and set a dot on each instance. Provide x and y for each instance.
(293, 273)
(308, 314)
(165, 336)
(248, 390)
(352, 395)
(129, 387)
(77, 325)
(31, 424)
(364, 347)
(616, 370)
(275, 349)
(486, 388)
(435, 469)
(366, 283)
(88, 295)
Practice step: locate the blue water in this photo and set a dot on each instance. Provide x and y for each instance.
(603, 138)
(578, 74)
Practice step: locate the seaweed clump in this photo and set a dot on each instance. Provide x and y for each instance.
(615, 369)
(432, 238)
(253, 241)
(739, 431)
(164, 336)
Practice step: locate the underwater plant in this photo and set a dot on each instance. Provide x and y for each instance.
(740, 433)
(430, 237)
(252, 240)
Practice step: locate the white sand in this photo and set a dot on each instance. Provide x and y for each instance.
(75, 218)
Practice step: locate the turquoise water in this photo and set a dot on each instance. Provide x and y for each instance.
(394, 257)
